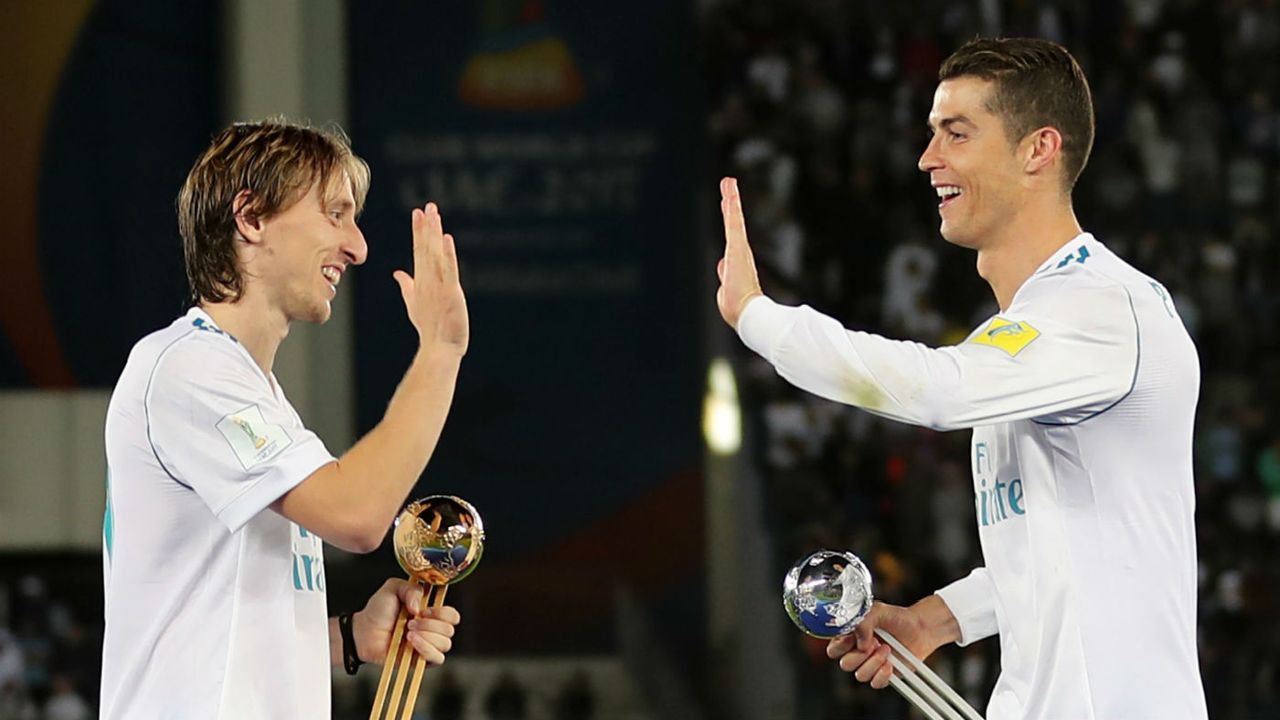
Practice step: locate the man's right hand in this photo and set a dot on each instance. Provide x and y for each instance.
(433, 294)
(922, 628)
(737, 269)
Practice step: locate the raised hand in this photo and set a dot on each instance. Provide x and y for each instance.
(433, 294)
(739, 282)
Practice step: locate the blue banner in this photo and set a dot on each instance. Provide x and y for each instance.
(558, 140)
(108, 104)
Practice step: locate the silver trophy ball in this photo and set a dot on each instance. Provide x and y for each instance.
(828, 593)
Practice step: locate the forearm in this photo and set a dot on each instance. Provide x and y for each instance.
(1076, 369)
(352, 501)
(383, 466)
(817, 354)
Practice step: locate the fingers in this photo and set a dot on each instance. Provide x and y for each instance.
(445, 614)
(853, 659)
(884, 674)
(450, 255)
(840, 646)
(433, 251)
(431, 646)
(419, 223)
(735, 225)
(428, 241)
(431, 633)
(428, 625)
(862, 653)
(410, 595)
(874, 668)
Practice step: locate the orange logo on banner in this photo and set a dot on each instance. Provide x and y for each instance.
(522, 64)
(36, 40)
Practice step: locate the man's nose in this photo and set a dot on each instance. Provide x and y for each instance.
(929, 159)
(355, 248)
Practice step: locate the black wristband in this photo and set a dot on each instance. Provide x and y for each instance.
(351, 661)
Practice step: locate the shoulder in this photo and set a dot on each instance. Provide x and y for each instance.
(1074, 290)
(1081, 300)
(197, 356)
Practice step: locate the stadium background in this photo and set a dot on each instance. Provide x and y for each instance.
(632, 571)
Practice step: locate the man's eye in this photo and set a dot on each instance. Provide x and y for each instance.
(955, 135)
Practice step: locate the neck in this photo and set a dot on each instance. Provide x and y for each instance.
(258, 327)
(1006, 261)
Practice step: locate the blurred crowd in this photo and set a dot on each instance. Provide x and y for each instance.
(819, 107)
(49, 661)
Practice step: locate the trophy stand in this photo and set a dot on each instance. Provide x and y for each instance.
(828, 593)
(438, 541)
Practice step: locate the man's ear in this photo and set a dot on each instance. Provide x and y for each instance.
(1040, 148)
(248, 221)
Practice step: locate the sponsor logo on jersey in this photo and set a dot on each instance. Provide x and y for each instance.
(994, 499)
(252, 438)
(308, 560)
(1009, 336)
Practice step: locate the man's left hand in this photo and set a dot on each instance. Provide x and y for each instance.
(430, 631)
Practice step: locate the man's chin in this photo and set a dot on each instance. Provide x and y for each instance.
(318, 314)
(956, 237)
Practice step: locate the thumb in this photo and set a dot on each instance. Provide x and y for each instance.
(405, 282)
(411, 597)
(720, 269)
(865, 632)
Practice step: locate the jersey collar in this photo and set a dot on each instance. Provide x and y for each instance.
(1056, 257)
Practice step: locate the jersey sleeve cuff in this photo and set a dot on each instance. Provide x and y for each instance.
(762, 324)
(288, 472)
(971, 600)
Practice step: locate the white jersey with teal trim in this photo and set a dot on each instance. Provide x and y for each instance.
(215, 605)
(1081, 397)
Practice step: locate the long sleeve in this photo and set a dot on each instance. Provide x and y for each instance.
(972, 600)
(1058, 355)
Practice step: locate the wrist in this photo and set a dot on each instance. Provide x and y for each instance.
(937, 620)
(347, 650)
(360, 634)
(437, 357)
(742, 307)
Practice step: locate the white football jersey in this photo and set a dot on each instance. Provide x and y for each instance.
(215, 605)
(1081, 397)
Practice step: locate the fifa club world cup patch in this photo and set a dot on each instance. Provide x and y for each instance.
(1010, 337)
(252, 438)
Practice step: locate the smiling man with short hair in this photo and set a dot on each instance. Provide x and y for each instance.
(1081, 394)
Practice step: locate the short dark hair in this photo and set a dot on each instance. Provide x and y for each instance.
(277, 162)
(1037, 84)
